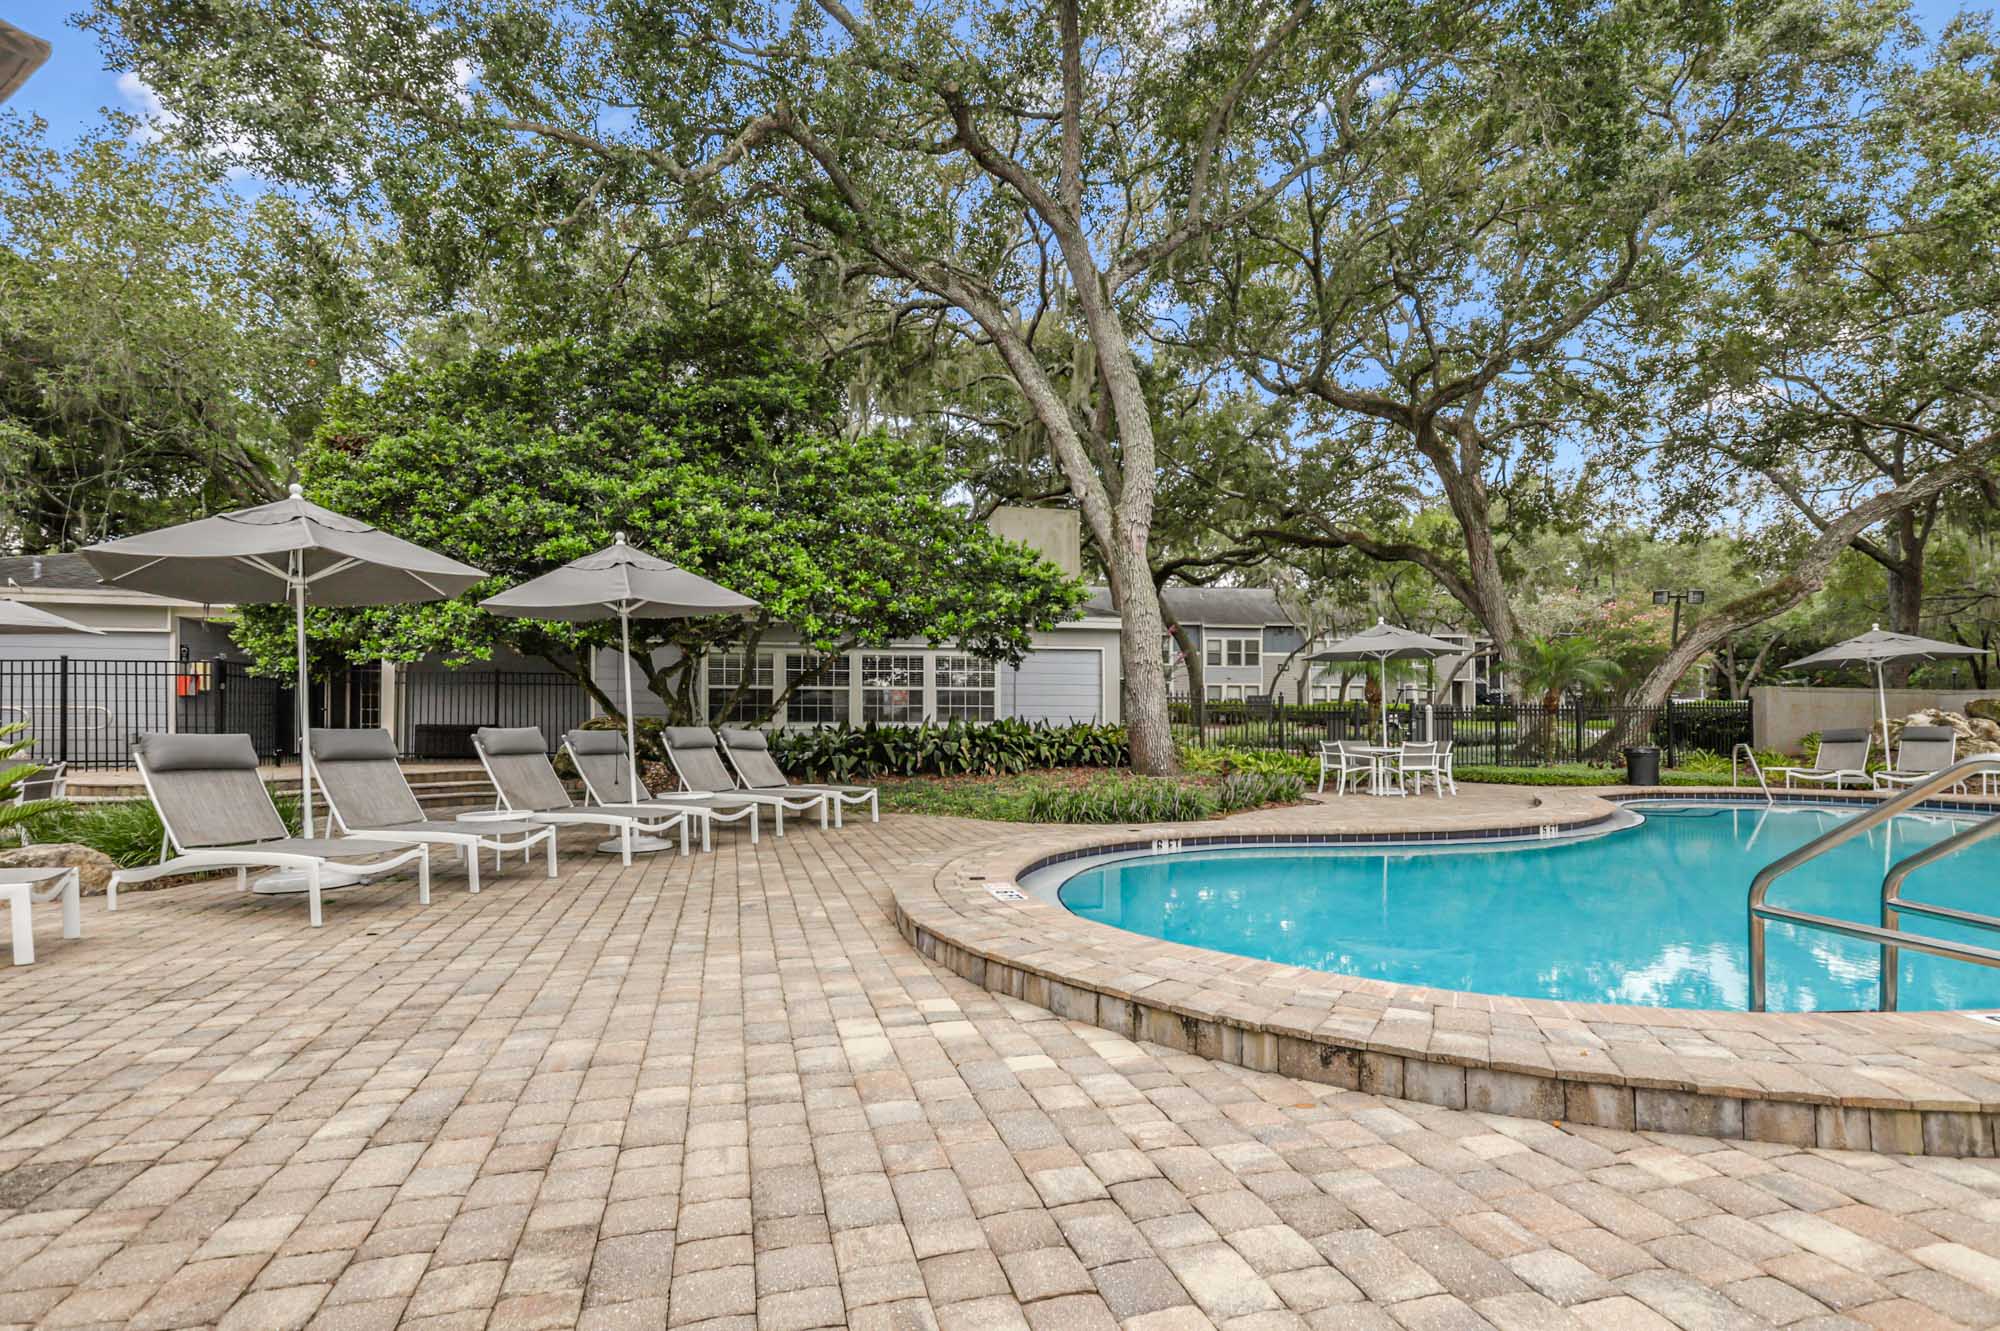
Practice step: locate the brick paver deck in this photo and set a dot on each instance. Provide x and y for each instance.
(723, 1091)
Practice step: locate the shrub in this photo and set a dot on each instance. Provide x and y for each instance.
(1221, 761)
(14, 770)
(1146, 799)
(957, 748)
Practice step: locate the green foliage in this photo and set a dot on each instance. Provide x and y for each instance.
(1143, 799)
(1205, 761)
(164, 344)
(1548, 667)
(15, 741)
(841, 753)
(710, 442)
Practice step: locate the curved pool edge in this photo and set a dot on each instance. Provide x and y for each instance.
(1913, 1083)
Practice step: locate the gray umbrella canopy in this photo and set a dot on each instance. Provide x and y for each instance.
(257, 555)
(618, 580)
(20, 617)
(624, 583)
(1878, 648)
(292, 551)
(1385, 642)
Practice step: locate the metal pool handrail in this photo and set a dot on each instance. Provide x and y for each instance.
(1886, 936)
(1749, 753)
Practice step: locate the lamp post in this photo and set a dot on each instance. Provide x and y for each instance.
(1692, 596)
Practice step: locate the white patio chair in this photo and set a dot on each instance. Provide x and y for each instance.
(1842, 757)
(47, 784)
(599, 758)
(367, 795)
(696, 756)
(749, 753)
(1414, 762)
(1921, 753)
(218, 815)
(1334, 759)
(516, 760)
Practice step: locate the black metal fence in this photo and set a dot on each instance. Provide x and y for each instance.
(1497, 734)
(437, 710)
(87, 712)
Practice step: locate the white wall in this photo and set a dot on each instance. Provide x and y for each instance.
(1782, 716)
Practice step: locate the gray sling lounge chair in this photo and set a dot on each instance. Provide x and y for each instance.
(218, 815)
(1921, 753)
(600, 759)
(750, 754)
(516, 759)
(368, 795)
(1842, 757)
(696, 755)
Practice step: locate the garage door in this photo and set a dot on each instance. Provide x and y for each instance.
(1057, 685)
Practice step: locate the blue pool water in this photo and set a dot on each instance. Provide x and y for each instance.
(1652, 914)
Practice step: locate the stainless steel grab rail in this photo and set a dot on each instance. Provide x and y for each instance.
(1755, 768)
(1884, 936)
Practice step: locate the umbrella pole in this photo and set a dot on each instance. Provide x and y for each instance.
(1882, 699)
(631, 727)
(1383, 677)
(305, 697)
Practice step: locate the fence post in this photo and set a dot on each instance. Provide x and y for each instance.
(1673, 734)
(218, 670)
(496, 698)
(62, 710)
(1579, 728)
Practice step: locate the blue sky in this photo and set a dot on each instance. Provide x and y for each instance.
(69, 91)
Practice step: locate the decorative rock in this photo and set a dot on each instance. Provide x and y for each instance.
(94, 866)
(1984, 709)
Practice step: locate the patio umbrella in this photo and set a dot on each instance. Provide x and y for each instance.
(1384, 642)
(20, 617)
(629, 584)
(292, 550)
(1878, 649)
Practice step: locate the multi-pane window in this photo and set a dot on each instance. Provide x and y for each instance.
(1235, 651)
(820, 694)
(965, 689)
(1215, 693)
(725, 676)
(892, 688)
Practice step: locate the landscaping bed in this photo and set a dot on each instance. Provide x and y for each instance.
(1088, 795)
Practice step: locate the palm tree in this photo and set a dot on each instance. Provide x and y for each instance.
(1553, 666)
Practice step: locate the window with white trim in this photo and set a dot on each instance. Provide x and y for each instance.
(819, 689)
(892, 688)
(966, 688)
(1234, 651)
(725, 676)
(1215, 693)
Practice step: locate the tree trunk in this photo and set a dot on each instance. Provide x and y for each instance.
(1141, 627)
(1906, 592)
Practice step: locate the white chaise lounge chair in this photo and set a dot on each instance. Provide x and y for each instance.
(368, 796)
(218, 815)
(750, 754)
(516, 759)
(599, 758)
(696, 756)
(1921, 753)
(1842, 757)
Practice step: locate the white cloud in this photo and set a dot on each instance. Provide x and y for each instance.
(154, 118)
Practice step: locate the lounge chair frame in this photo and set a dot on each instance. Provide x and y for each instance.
(473, 837)
(1837, 775)
(746, 810)
(838, 796)
(244, 857)
(627, 824)
(681, 755)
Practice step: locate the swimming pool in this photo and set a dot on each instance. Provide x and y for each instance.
(1651, 914)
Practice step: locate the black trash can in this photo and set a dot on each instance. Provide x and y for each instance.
(1642, 765)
